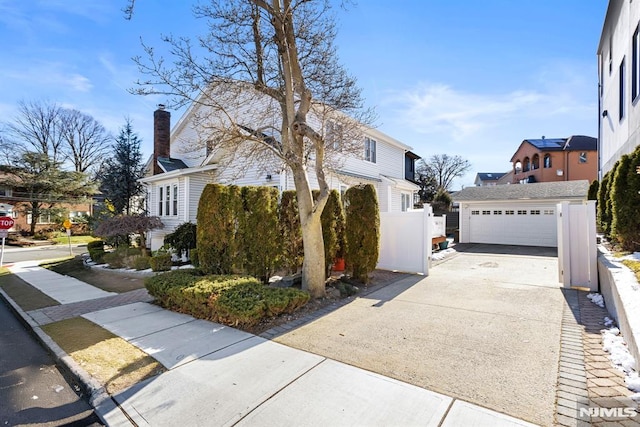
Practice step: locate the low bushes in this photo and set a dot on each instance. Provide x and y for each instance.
(160, 262)
(232, 300)
(96, 250)
(122, 257)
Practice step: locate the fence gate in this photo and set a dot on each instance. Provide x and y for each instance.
(577, 250)
(405, 240)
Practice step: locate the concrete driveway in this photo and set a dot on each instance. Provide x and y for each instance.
(483, 327)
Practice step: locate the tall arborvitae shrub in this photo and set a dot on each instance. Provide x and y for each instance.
(290, 232)
(593, 190)
(604, 222)
(627, 205)
(619, 192)
(332, 219)
(362, 227)
(217, 225)
(259, 239)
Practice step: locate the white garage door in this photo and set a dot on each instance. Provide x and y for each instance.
(513, 224)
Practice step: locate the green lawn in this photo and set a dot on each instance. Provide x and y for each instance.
(64, 239)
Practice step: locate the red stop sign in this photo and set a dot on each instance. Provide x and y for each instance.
(6, 223)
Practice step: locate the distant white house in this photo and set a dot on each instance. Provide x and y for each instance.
(619, 83)
(484, 179)
(181, 167)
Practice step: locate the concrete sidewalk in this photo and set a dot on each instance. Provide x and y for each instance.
(219, 375)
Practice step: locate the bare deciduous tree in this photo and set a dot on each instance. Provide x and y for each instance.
(444, 169)
(86, 142)
(36, 128)
(62, 134)
(268, 87)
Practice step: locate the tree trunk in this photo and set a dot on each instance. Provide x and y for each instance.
(313, 277)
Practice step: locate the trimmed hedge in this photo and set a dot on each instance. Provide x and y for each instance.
(160, 262)
(227, 299)
(362, 231)
(625, 202)
(593, 190)
(217, 225)
(258, 237)
(603, 196)
(141, 262)
(332, 220)
(290, 232)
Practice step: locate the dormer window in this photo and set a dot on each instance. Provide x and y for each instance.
(370, 150)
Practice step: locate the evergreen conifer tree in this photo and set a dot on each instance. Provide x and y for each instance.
(120, 173)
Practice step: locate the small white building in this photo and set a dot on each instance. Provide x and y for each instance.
(519, 214)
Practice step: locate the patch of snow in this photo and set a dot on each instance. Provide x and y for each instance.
(608, 322)
(633, 257)
(442, 254)
(614, 344)
(182, 267)
(596, 299)
(58, 388)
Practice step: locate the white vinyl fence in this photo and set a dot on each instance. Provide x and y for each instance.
(405, 240)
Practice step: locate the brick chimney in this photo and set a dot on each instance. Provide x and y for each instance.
(161, 136)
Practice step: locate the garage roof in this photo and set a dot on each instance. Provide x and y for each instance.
(535, 191)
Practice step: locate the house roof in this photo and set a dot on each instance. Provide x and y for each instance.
(490, 176)
(573, 143)
(535, 191)
(581, 142)
(168, 164)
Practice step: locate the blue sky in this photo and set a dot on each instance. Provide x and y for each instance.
(472, 78)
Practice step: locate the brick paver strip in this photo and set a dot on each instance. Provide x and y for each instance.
(56, 313)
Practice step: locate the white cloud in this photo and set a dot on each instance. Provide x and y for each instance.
(486, 128)
(437, 109)
(48, 74)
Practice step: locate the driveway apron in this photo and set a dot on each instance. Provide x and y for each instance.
(482, 327)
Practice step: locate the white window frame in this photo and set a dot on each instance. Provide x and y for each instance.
(405, 201)
(370, 149)
(160, 200)
(167, 201)
(175, 200)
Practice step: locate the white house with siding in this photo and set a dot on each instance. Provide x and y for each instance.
(619, 83)
(181, 167)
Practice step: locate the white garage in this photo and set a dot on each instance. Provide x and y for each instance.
(515, 214)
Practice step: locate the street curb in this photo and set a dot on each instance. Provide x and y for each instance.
(99, 399)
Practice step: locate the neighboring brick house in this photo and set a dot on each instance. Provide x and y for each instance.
(13, 201)
(556, 159)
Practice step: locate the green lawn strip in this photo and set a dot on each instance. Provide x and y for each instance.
(111, 360)
(100, 278)
(75, 240)
(25, 295)
(634, 266)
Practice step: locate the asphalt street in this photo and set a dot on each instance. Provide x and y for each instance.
(13, 254)
(32, 389)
